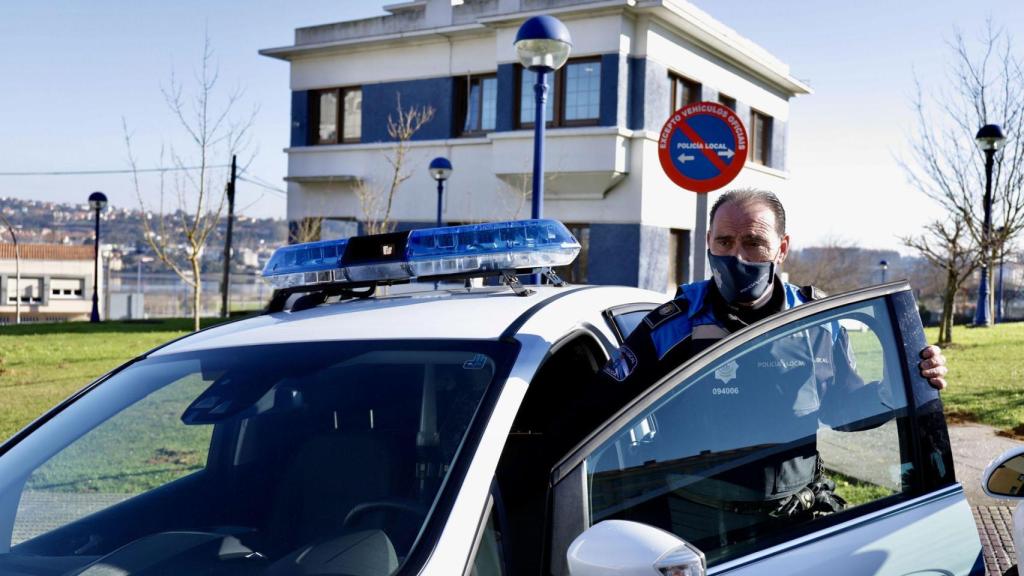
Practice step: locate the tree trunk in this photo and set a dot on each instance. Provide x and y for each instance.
(197, 290)
(946, 325)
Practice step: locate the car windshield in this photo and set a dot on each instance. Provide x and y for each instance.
(298, 458)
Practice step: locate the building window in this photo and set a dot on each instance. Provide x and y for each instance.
(684, 91)
(337, 111)
(478, 104)
(727, 101)
(576, 273)
(65, 288)
(760, 138)
(574, 95)
(31, 290)
(678, 259)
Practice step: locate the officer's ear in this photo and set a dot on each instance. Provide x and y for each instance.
(783, 249)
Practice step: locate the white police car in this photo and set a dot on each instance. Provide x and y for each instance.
(433, 433)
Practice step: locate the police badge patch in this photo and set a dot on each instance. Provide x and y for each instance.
(662, 313)
(621, 367)
(727, 372)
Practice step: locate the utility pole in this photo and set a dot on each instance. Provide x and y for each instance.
(17, 270)
(226, 283)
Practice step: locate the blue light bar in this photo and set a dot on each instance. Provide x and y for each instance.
(431, 252)
(517, 245)
(305, 264)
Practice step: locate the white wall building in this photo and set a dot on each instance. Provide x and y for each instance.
(56, 282)
(632, 63)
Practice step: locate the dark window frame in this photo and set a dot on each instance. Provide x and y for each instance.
(339, 126)
(675, 81)
(727, 101)
(556, 91)
(761, 148)
(462, 96)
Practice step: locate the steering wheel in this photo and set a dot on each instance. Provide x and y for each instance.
(409, 507)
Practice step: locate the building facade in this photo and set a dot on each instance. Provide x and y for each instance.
(56, 282)
(633, 62)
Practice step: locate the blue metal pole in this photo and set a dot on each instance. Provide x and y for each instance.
(440, 193)
(539, 125)
(982, 313)
(95, 315)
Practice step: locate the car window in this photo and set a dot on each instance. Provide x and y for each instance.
(624, 319)
(133, 452)
(307, 454)
(800, 426)
(488, 560)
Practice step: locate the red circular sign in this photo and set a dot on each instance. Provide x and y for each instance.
(703, 146)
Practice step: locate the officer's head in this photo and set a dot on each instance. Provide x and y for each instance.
(749, 224)
(747, 240)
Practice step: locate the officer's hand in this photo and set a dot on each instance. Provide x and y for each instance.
(933, 367)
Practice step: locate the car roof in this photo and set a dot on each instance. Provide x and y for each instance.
(477, 313)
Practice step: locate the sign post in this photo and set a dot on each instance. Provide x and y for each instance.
(702, 147)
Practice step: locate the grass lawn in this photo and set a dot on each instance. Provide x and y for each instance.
(41, 364)
(985, 382)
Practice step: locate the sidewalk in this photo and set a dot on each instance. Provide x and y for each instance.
(974, 446)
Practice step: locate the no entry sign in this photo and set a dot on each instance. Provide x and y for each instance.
(703, 146)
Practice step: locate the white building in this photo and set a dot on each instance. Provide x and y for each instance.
(56, 282)
(633, 62)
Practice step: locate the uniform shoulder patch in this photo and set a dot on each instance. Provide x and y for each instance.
(811, 293)
(659, 315)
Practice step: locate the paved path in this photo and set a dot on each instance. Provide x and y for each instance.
(974, 446)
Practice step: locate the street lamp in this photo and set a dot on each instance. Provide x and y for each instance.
(97, 202)
(440, 169)
(543, 44)
(884, 265)
(990, 138)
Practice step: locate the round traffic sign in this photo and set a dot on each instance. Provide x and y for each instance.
(703, 146)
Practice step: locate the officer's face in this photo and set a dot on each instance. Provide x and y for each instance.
(747, 231)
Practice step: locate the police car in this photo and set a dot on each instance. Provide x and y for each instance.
(433, 432)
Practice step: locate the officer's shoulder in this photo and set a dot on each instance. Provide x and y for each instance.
(666, 312)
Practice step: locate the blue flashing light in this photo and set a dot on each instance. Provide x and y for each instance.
(496, 246)
(432, 252)
(304, 264)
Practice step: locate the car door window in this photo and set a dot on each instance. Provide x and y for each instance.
(801, 426)
(624, 319)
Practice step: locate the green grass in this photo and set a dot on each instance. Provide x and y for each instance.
(856, 492)
(986, 377)
(41, 364)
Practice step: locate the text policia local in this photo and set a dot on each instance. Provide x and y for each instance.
(720, 111)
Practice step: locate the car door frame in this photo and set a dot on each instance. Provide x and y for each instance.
(571, 515)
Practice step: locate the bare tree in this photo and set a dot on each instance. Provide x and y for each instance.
(985, 86)
(377, 199)
(834, 266)
(947, 247)
(17, 269)
(179, 237)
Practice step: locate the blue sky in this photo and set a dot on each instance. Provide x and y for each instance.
(75, 68)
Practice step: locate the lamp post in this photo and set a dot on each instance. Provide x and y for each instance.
(97, 202)
(990, 138)
(883, 265)
(543, 44)
(440, 169)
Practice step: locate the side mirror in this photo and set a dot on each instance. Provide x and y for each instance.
(623, 548)
(1004, 476)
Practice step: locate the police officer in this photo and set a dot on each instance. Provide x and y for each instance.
(747, 242)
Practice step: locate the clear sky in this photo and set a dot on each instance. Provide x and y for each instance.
(73, 69)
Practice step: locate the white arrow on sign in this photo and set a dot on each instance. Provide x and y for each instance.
(684, 158)
(727, 153)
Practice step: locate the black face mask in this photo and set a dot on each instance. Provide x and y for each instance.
(738, 281)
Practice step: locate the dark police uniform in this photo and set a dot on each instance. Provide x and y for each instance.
(794, 383)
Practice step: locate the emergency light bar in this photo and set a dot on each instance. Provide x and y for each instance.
(476, 249)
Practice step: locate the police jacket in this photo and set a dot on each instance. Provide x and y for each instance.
(782, 390)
